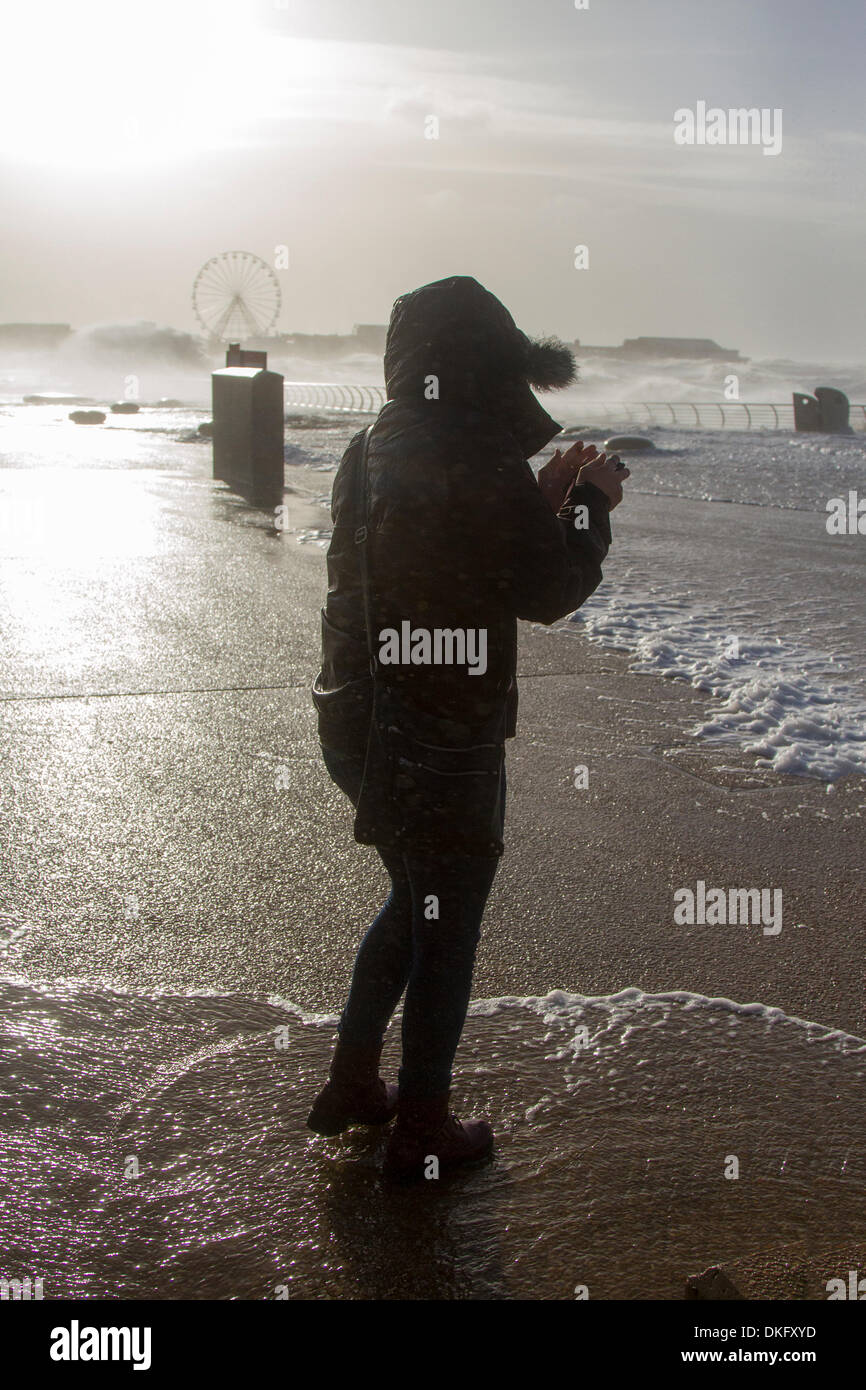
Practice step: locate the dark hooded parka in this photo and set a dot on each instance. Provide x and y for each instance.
(460, 535)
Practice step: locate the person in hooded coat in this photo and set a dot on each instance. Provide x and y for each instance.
(461, 535)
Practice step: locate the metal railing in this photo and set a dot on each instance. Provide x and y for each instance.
(700, 415)
(703, 415)
(320, 395)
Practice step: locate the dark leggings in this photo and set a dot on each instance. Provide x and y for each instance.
(414, 946)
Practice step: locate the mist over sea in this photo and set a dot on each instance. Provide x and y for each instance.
(96, 360)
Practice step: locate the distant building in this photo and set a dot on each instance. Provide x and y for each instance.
(677, 347)
(640, 349)
(316, 344)
(36, 335)
(371, 336)
(365, 337)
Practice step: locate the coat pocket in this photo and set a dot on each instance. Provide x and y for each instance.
(344, 707)
(343, 698)
(431, 798)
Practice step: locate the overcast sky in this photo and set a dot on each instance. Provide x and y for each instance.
(138, 140)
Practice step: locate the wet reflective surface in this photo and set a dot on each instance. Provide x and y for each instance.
(609, 1170)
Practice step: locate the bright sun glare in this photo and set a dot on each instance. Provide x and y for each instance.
(93, 84)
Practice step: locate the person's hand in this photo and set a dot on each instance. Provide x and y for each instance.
(607, 474)
(557, 475)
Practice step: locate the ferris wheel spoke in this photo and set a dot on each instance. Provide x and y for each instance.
(230, 278)
(220, 275)
(258, 308)
(225, 319)
(253, 327)
(239, 276)
(247, 273)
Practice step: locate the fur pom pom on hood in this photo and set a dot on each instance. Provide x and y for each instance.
(549, 364)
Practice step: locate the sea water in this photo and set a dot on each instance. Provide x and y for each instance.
(748, 597)
(154, 1146)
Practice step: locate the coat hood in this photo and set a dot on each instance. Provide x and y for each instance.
(457, 332)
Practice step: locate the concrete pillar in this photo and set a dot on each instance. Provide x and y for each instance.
(827, 411)
(248, 432)
(834, 410)
(807, 412)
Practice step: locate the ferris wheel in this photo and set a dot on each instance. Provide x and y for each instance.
(236, 295)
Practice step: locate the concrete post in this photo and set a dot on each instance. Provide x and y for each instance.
(827, 411)
(834, 410)
(248, 428)
(807, 413)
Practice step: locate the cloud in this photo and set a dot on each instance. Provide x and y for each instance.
(415, 106)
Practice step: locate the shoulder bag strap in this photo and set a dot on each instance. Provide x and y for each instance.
(361, 542)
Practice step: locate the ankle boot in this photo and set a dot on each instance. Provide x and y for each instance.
(354, 1094)
(425, 1129)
